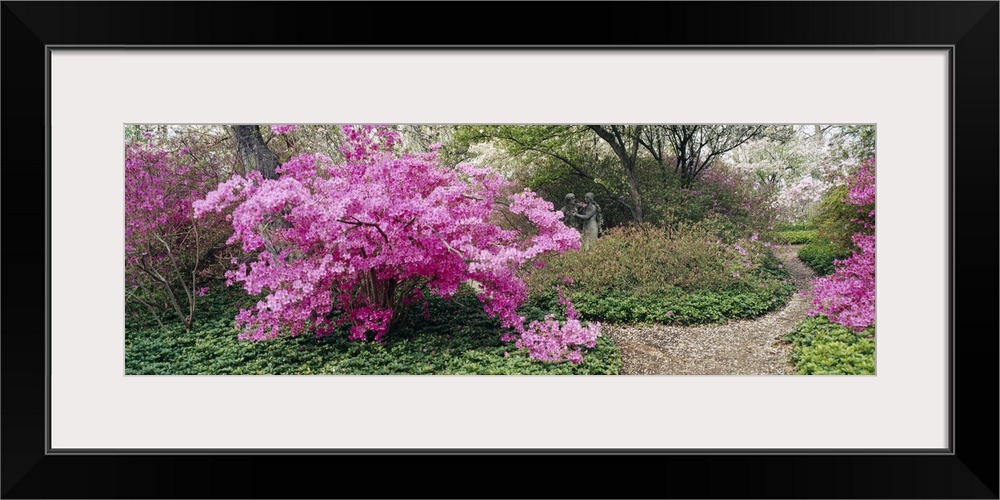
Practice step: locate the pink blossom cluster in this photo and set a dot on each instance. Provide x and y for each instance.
(160, 191)
(158, 195)
(862, 191)
(847, 296)
(552, 340)
(357, 243)
(283, 129)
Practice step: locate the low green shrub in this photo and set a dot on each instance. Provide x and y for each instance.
(457, 338)
(784, 226)
(795, 237)
(820, 254)
(649, 275)
(821, 347)
(641, 259)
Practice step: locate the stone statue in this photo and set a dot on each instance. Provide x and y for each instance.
(569, 211)
(590, 218)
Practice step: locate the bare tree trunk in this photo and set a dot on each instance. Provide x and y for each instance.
(618, 138)
(253, 152)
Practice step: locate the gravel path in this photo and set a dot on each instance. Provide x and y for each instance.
(744, 347)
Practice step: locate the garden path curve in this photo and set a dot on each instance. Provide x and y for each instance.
(744, 347)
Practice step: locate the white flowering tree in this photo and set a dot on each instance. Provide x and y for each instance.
(797, 164)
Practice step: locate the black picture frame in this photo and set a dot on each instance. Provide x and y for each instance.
(968, 470)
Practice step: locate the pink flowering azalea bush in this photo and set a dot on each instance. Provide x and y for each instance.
(358, 243)
(168, 254)
(847, 296)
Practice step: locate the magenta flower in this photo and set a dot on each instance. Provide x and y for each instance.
(283, 129)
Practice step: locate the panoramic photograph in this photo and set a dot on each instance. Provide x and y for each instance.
(499, 249)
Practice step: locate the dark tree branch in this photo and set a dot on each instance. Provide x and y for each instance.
(253, 153)
(619, 145)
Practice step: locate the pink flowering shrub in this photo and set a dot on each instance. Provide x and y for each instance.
(847, 296)
(357, 243)
(168, 254)
(862, 192)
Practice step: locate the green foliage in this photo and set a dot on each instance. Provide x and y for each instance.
(458, 339)
(824, 348)
(837, 220)
(784, 226)
(795, 237)
(820, 253)
(728, 203)
(551, 160)
(645, 274)
(854, 141)
(833, 218)
(682, 309)
(641, 259)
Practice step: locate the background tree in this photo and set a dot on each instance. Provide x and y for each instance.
(553, 160)
(853, 143)
(253, 152)
(634, 170)
(416, 138)
(624, 141)
(697, 147)
(780, 158)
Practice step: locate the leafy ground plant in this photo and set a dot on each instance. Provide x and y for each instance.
(820, 254)
(821, 347)
(455, 338)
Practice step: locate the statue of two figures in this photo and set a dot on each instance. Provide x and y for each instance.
(585, 217)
